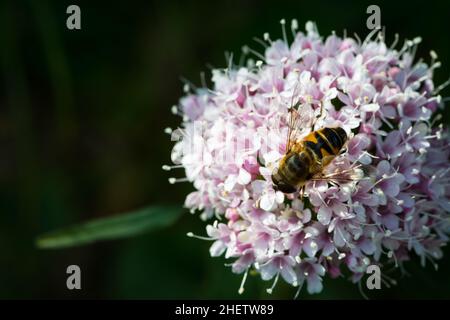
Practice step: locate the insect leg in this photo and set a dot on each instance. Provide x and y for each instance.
(318, 117)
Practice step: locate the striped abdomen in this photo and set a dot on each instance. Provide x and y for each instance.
(325, 142)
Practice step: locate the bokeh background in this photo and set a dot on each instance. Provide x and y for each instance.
(82, 115)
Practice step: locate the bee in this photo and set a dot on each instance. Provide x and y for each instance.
(305, 158)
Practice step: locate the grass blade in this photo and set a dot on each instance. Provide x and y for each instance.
(114, 227)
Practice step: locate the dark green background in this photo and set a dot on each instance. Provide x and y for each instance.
(81, 136)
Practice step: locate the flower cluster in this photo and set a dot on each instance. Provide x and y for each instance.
(233, 136)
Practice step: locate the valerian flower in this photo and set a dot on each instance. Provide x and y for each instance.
(234, 134)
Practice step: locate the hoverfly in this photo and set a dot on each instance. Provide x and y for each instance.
(305, 159)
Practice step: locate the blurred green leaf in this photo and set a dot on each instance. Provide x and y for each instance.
(118, 226)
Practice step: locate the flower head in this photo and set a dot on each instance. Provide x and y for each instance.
(234, 135)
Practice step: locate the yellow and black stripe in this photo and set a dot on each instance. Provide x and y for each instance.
(325, 142)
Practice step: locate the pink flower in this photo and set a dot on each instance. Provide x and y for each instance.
(384, 199)
(223, 237)
(389, 181)
(313, 273)
(279, 264)
(330, 203)
(303, 240)
(357, 147)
